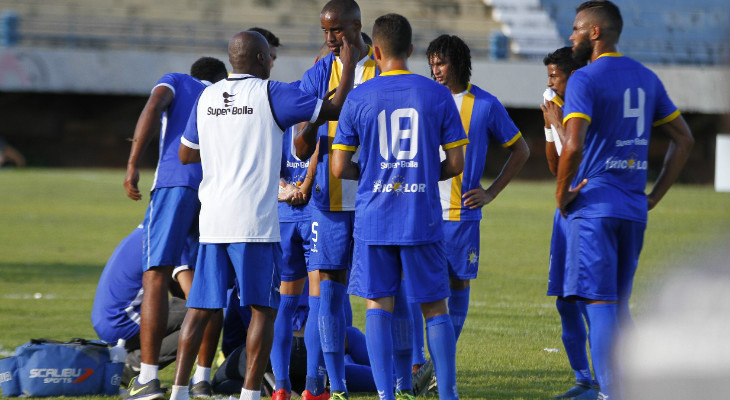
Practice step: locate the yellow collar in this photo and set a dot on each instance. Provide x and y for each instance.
(610, 55)
(396, 72)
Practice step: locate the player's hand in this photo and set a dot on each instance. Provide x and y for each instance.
(299, 198)
(286, 192)
(477, 198)
(130, 183)
(652, 202)
(349, 53)
(564, 199)
(552, 114)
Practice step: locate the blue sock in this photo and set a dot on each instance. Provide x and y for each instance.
(442, 346)
(458, 307)
(604, 327)
(574, 340)
(402, 331)
(380, 349)
(315, 360)
(419, 348)
(332, 332)
(348, 311)
(281, 348)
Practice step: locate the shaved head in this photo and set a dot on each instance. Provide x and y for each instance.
(343, 9)
(248, 52)
(604, 14)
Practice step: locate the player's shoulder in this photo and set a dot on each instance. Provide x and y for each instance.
(321, 66)
(481, 94)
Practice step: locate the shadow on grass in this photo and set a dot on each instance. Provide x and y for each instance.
(54, 273)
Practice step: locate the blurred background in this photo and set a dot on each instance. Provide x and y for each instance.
(75, 74)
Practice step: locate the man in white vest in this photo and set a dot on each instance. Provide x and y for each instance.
(236, 131)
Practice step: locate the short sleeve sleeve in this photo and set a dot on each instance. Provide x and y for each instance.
(290, 105)
(502, 128)
(190, 136)
(452, 131)
(347, 137)
(169, 81)
(578, 97)
(665, 110)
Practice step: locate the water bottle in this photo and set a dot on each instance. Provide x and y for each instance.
(113, 373)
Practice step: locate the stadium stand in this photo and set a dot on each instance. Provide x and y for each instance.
(193, 26)
(664, 31)
(531, 31)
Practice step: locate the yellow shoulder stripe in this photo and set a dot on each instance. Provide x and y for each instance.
(457, 143)
(344, 147)
(576, 115)
(513, 140)
(669, 118)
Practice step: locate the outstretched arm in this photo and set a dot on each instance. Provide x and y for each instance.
(148, 125)
(677, 155)
(479, 197)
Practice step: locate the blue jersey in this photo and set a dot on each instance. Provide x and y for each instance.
(400, 120)
(622, 100)
(293, 171)
(170, 171)
(484, 119)
(115, 314)
(330, 193)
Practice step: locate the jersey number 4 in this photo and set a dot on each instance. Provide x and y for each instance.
(403, 126)
(637, 112)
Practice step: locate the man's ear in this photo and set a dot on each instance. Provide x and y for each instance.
(410, 50)
(377, 52)
(595, 32)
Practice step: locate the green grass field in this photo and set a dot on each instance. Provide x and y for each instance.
(60, 226)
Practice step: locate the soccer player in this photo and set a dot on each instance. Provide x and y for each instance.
(560, 65)
(398, 121)
(462, 197)
(295, 223)
(611, 107)
(333, 203)
(235, 131)
(171, 219)
(116, 311)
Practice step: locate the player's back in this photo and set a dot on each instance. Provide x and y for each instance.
(622, 99)
(170, 172)
(119, 293)
(401, 120)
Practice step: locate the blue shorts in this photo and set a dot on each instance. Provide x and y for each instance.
(378, 269)
(295, 245)
(557, 255)
(170, 224)
(461, 244)
(253, 266)
(601, 257)
(332, 241)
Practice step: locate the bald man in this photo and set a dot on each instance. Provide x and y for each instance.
(235, 131)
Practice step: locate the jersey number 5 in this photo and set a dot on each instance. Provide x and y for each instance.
(403, 126)
(637, 112)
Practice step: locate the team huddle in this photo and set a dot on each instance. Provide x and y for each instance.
(274, 201)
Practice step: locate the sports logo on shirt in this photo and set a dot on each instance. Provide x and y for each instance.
(630, 163)
(398, 186)
(228, 99)
(229, 108)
